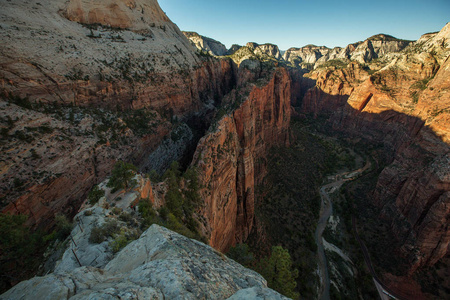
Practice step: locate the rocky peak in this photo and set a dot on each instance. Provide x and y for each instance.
(206, 44)
(252, 45)
(269, 50)
(363, 52)
(383, 37)
(233, 49)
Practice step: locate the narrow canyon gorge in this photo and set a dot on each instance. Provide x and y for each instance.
(229, 146)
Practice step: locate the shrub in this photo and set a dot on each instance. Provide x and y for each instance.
(122, 176)
(278, 271)
(63, 226)
(119, 242)
(100, 234)
(241, 253)
(163, 212)
(95, 195)
(125, 217)
(97, 236)
(147, 212)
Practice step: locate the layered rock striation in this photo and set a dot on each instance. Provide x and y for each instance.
(108, 53)
(85, 84)
(401, 102)
(231, 158)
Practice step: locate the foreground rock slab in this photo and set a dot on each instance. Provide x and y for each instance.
(161, 264)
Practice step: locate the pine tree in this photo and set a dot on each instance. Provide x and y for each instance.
(278, 272)
(122, 176)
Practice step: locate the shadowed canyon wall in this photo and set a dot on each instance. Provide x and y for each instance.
(403, 104)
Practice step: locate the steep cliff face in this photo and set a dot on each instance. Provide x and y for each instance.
(206, 44)
(269, 50)
(404, 105)
(309, 54)
(51, 155)
(108, 53)
(95, 82)
(231, 158)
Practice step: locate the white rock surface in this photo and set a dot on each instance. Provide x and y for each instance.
(161, 264)
(206, 44)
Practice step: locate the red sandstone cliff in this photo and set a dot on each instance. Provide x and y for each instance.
(71, 53)
(404, 104)
(231, 158)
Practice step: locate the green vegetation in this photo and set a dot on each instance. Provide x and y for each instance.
(95, 194)
(421, 84)
(181, 198)
(21, 249)
(289, 202)
(120, 233)
(277, 268)
(338, 64)
(241, 253)
(101, 234)
(63, 226)
(122, 176)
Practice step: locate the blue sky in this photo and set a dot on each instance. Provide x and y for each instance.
(295, 23)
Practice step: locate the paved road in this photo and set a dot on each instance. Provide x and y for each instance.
(325, 213)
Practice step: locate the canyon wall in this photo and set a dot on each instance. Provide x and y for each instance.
(231, 158)
(109, 54)
(85, 84)
(401, 102)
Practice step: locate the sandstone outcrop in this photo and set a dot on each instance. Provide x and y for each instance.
(231, 158)
(206, 44)
(137, 15)
(103, 57)
(269, 50)
(88, 61)
(394, 102)
(50, 160)
(159, 265)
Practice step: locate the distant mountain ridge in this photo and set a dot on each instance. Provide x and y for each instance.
(309, 56)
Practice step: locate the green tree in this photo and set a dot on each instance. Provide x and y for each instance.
(122, 176)
(278, 272)
(95, 194)
(63, 226)
(241, 253)
(174, 197)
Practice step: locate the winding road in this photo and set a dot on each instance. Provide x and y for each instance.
(325, 213)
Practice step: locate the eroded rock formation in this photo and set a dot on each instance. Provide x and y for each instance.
(207, 44)
(231, 158)
(362, 52)
(402, 103)
(103, 57)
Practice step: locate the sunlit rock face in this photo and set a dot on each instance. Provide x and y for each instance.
(401, 102)
(231, 159)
